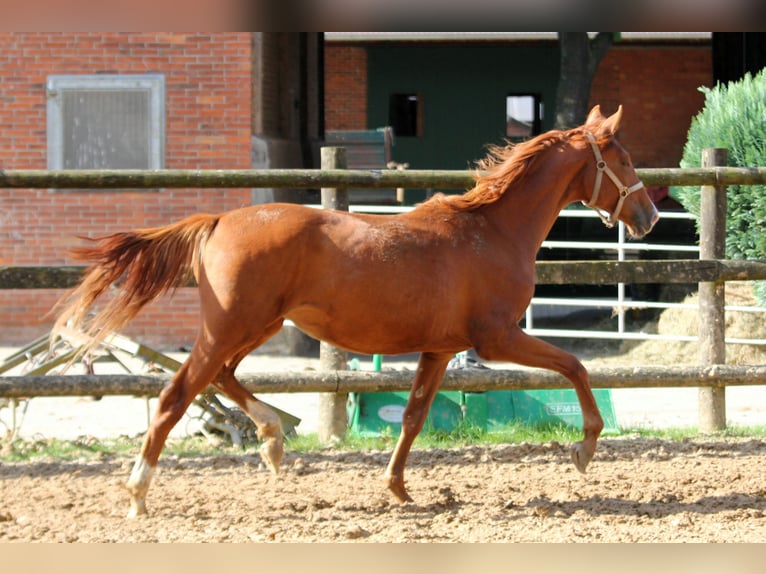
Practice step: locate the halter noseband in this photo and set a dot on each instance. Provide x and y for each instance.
(601, 168)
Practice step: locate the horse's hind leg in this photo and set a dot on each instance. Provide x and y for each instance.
(428, 378)
(266, 420)
(193, 376)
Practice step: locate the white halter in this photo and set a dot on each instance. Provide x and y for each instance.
(601, 167)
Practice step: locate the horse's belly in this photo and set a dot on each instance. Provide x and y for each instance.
(382, 333)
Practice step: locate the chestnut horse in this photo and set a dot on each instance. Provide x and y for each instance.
(457, 272)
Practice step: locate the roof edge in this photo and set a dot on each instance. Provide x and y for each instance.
(500, 36)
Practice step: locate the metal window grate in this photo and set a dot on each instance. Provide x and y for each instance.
(106, 121)
(106, 129)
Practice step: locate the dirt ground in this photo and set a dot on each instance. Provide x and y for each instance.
(636, 490)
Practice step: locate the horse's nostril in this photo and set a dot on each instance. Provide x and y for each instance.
(655, 217)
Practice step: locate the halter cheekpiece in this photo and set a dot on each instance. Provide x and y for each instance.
(601, 168)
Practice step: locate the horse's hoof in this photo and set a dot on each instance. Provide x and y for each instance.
(137, 508)
(402, 497)
(580, 457)
(399, 492)
(271, 454)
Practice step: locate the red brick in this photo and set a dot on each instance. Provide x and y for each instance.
(345, 87)
(658, 107)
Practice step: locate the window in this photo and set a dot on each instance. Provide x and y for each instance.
(405, 114)
(524, 115)
(106, 121)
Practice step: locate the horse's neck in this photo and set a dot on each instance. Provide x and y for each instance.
(529, 212)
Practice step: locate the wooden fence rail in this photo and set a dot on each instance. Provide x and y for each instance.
(469, 380)
(330, 178)
(547, 273)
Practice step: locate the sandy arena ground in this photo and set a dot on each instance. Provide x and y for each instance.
(636, 489)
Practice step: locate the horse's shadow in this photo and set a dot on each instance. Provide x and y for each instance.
(670, 505)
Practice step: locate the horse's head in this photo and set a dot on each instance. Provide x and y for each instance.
(620, 195)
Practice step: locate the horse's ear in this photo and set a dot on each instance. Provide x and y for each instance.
(611, 124)
(595, 116)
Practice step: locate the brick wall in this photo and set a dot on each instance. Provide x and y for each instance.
(208, 101)
(657, 86)
(345, 87)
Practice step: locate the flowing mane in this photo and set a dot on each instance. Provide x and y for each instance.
(504, 167)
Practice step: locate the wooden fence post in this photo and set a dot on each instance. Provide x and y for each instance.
(333, 419)
(712, 327)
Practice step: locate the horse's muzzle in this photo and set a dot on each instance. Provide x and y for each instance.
(643, 224)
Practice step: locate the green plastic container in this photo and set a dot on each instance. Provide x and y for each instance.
(559, 406)
(376, 414)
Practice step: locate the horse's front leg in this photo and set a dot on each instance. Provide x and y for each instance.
(516, 346)
(428, 378)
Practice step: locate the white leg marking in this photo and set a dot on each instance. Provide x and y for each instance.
(270, 430)
(138, 485)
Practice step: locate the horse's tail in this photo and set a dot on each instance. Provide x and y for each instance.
(144, 263)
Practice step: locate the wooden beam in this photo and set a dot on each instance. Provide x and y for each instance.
(712, 294)
(470, 380)
(547, 272)
(649, 271)
(333, 419)
(234, 178)
(315, 178)
(40, 277)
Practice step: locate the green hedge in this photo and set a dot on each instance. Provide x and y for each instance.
(734, 117)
